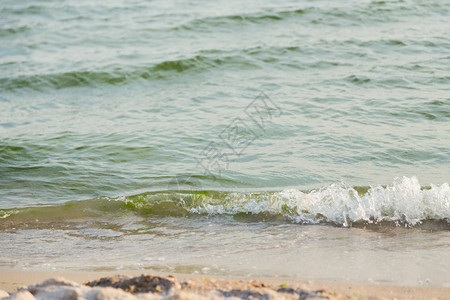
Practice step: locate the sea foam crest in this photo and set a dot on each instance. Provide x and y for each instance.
(404, 201)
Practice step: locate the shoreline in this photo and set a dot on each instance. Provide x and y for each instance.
(11, 280)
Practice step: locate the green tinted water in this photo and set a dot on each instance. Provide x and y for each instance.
(118, 98)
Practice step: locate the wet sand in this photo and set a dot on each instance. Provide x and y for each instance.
(213, 287)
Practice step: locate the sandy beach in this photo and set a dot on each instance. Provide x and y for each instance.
(166, 286)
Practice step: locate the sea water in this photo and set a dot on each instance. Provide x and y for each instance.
(298, 139)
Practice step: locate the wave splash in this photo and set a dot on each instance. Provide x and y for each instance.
(404, 202)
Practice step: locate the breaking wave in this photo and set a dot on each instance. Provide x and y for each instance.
(404, 202)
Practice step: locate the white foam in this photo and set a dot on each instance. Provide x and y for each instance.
(404, 201)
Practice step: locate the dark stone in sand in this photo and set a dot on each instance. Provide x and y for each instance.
(246, 294)
(134, 285)
(303, 294)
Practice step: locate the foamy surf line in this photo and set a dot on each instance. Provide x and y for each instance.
(404, 203)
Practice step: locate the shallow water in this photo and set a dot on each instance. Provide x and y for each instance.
(231, 245)
(302, 139)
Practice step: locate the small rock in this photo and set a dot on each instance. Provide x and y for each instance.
(55, 292)
(186, 296)
(3, 294)
(22, 295)
(108, 293)
(59, 281)
(141, 284)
